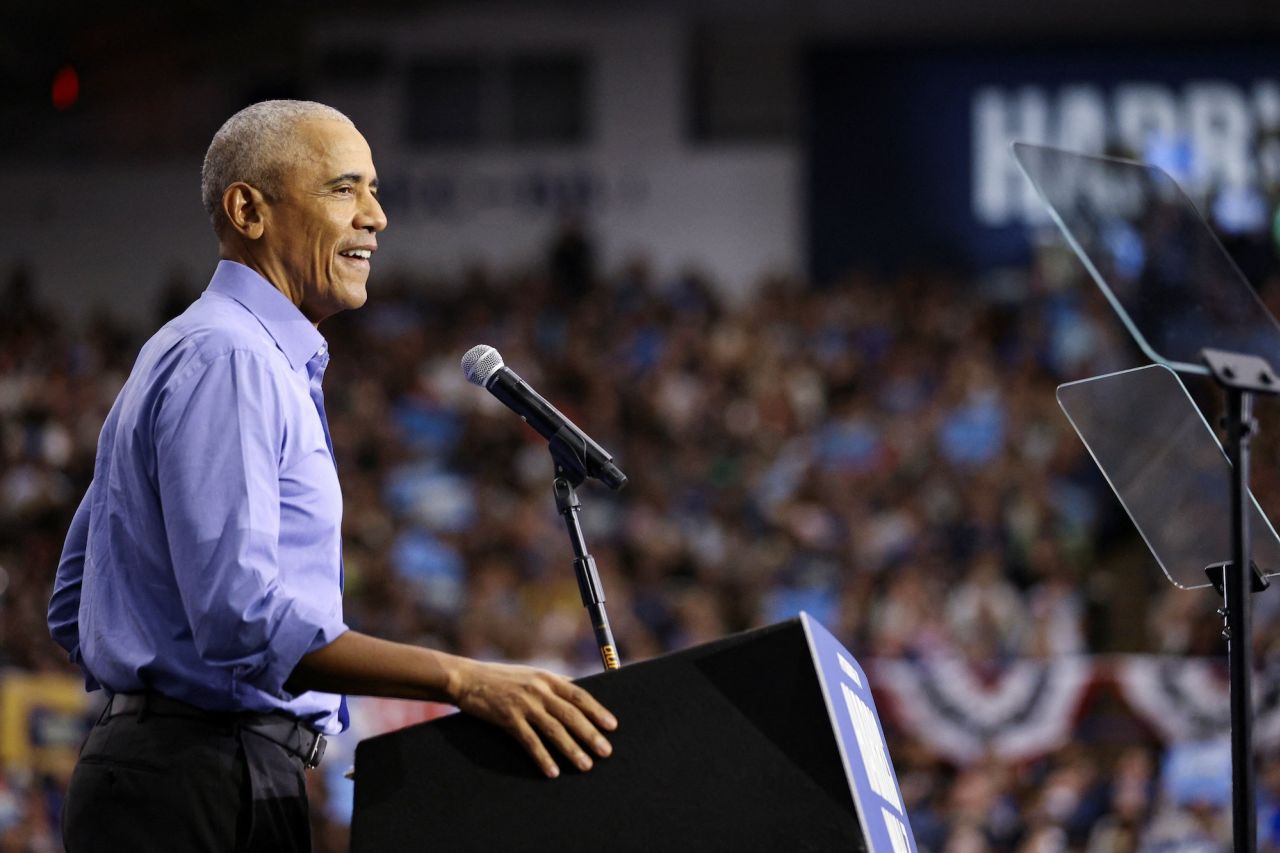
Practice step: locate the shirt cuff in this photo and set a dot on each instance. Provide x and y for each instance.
(302, 630)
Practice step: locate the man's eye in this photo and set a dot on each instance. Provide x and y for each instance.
(346, 190)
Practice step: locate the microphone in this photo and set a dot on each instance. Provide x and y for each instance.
(572, 449)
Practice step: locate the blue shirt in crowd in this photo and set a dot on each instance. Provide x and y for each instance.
(205, 558)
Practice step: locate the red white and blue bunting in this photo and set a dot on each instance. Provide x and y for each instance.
(1023, 710)
(1027, 708)
(1190, 699)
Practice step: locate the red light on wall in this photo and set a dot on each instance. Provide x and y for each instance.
(66, 88)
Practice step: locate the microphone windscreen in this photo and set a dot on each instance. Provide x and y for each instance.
(480, 363)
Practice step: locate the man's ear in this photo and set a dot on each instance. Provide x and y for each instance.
(246, 209)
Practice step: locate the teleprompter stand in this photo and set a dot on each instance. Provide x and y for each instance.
(1242, 377)
(1189, 308)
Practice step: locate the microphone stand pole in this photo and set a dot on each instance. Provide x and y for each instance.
(584, 565)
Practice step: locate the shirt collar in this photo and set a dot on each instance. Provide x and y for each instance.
(293, 333)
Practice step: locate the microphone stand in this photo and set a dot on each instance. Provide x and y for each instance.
(584, 565)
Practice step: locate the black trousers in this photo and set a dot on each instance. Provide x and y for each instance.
(146, 782)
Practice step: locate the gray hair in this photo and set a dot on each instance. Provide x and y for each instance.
(253, 146)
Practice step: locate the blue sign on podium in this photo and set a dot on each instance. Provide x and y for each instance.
(863, 749)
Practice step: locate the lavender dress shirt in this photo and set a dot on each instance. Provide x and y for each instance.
(205, 559)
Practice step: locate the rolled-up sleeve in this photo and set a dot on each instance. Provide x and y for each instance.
(64, 604)
(219, 435)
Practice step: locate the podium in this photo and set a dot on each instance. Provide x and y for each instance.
(766, 740)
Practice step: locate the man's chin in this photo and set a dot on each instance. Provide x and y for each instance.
(354, 297)
(339, 299)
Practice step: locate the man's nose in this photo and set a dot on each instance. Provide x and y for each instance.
(371, 217)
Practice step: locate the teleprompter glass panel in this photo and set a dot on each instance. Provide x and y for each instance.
(1154, 256)
(1167, 468)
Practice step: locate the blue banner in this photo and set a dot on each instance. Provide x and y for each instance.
(908, 147)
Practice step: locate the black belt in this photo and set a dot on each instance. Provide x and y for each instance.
(289, 733)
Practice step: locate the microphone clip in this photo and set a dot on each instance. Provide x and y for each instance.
(570, 456)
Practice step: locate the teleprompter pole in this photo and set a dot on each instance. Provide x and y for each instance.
(1242, 376)
(584, 568)
(1244, 821)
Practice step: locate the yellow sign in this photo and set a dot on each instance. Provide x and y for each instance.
(43, 718)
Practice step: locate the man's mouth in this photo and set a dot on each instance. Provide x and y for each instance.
(359, 254)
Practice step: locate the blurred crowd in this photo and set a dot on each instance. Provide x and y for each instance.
(885, 453)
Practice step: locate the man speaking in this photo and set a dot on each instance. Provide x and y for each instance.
(201, 580)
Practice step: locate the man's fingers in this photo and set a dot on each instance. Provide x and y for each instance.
(587, 703)
(544, 712)
(555, 732)
(578, 724)
(533, 745)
